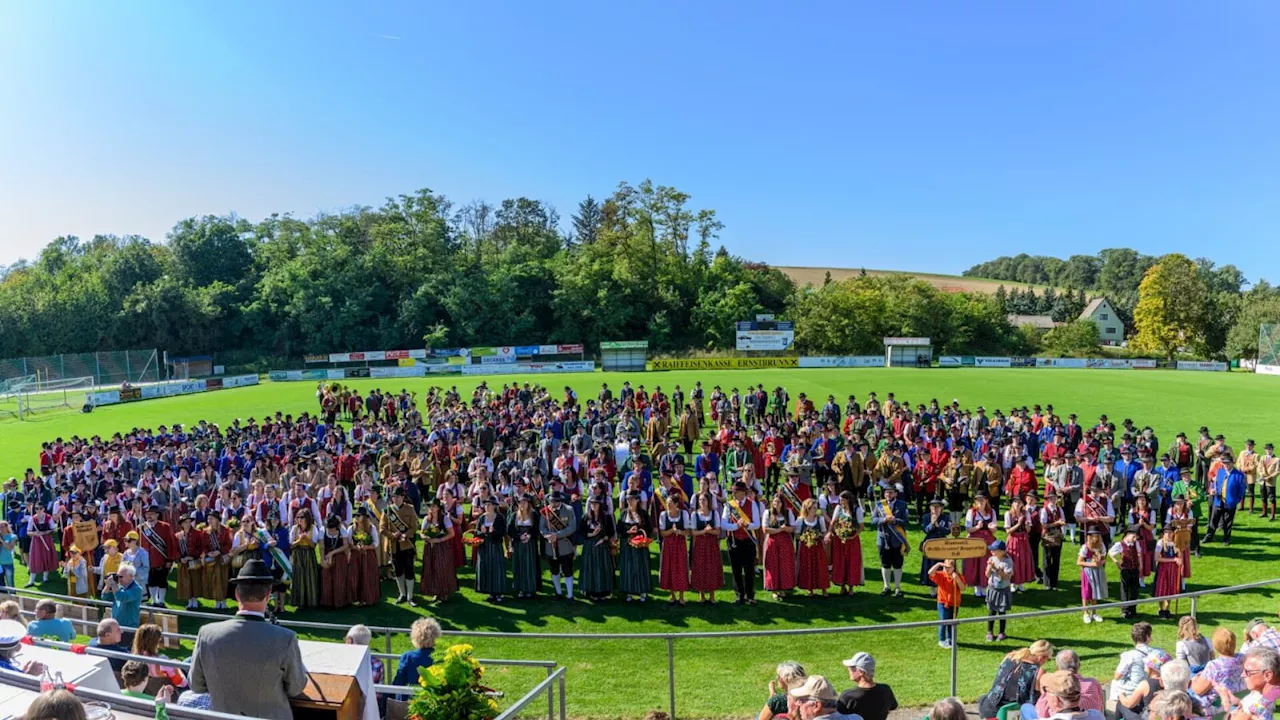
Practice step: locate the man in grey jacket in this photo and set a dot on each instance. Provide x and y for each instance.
(247, 665)
(559, 541)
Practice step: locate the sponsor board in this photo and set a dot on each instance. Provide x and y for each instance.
(1267, 369)
(723, 363)
(768, 340)
(284, 375)
(1142, 364)
(907, 341)
(1060, 362)
(530, 350)
(571, 349)
(315, 358)
(133, 393)
(406, 362)
(186, 387)
(445, 352)
(949, 361)
(842, 361)
(1201, 365)
(397, 372)
(498, 359)
(993, 362)
(1107, 364)
(213, 384)
(239, 381)
(1022, 362)
(625, 345)
(528, 368)
(107, 397)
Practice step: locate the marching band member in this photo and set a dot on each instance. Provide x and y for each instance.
(673, 527)
(398, 529)
(1052, 522)
(190, 568)
(936, 525)
(557, 524)
(980, 522)
(215, 561)
(304, 592)
(335, 564)
(889, 515)
(162, 550)
(846, 546)
(439, 574)
(779, 548)
(1144, 518)
(41, 558)
(1095, 512)
(596, 573)
(811, 530)
(740, 520)
(633, 562)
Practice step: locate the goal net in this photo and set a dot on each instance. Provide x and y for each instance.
(41, 396)
(1268, 349)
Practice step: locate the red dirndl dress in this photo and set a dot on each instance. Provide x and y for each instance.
(1024, 570)
(708, 568)
(368, 588)
(975, 573)
(1186, 554)
(336, 580)
(1147, 543)
(1168, 578)
(846, 557)
(674, 562)
(439, 574)
(813, 573)
(780, 562)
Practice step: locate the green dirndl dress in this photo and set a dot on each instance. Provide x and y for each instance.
(633, 563)
(491, 561)
(526, 565)
(595, 575)
(304, 591)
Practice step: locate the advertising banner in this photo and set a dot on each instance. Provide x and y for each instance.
(498, 359)
(625, 345)
(315, 374)
(907, 341)
(239, 381)
(442, 368)
(396, 355)
(458, 360)
(445, 352)
(108, 397)
(768, 340)
(1142, 364)
(570, 349)
(128, 394)
(406, 362)
(213, 384)
(357, 372)
(339, 357)
(1203, 366)
(724, 363)
(419, 354)
(398, 372)
(527, 368)
(483, 351)
(530, 350)
(1061, 362)
(842, 361)
(1107, 364)
(993, 362)
(546, 350)
(315, 358)
(949, 361)
(1263, 369)
(1022, 362)
(284, 375)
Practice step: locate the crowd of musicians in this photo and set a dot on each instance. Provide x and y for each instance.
(515, 485)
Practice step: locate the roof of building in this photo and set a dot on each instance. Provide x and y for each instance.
(1042, 322)
(1092, 308)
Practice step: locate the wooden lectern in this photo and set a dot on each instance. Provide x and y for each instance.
(328, 697)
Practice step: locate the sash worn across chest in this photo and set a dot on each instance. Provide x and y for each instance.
(155, 539)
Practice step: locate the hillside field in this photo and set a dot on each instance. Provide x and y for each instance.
(947, 283)
(725, 678)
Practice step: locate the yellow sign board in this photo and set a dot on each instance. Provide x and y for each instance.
(733, 363)
(86, 535)
(955, 548)
(458, 360)
(406, 362)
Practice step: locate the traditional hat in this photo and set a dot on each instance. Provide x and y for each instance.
(254, 571)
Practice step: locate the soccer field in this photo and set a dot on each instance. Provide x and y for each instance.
(726, 678)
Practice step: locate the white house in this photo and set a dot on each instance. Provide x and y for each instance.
(1110, 327)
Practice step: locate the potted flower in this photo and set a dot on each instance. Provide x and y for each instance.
(451, 690)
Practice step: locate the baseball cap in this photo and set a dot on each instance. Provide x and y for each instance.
(815, 686)
(862, 661)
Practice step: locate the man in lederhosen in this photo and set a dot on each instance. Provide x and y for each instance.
(158, 540)
(400, 527)
(559, 542)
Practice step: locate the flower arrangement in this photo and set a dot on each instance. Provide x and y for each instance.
(471, 540)
(810, 538)
(451, 689)
(232, 523)
(842, 528)
(362, 538)
(433, 532)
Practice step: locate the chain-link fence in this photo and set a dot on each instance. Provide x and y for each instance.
(106, 368)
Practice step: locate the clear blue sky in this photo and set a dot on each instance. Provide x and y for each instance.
(924, 136)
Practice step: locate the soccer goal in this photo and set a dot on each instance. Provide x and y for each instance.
(42, 396)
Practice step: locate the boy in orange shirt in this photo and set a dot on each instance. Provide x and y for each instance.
(950, 589)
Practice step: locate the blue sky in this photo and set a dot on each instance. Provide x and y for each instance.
(924, 136)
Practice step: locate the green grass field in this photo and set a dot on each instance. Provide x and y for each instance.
(719, 678)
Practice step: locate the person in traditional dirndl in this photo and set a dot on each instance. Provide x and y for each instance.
(708, 568)
(304, 592)
(673, 527)
(1092, 560)
(439, 578)
(1017, 524)
(596, 574)
(278, 538)
(336, 576)
(779, 548)
(365, 587)
(1181, 517)
(526, 562)
(190, 569)
(454, 511)
(42, 559)
(1144, 518)
(999, 572)
(811, 531)
(490, 554)
(980, 521)
(217, 555)
(633, 561)
(937, 525)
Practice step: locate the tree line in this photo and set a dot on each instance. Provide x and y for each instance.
(1194, 306)
(642, 262)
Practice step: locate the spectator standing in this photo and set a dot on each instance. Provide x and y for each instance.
(125, 596)
(950, 588)
(867, 698)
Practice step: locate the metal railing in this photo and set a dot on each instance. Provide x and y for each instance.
(671, 638)
(137, 706)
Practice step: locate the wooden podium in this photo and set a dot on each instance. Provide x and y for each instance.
(328, 697)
